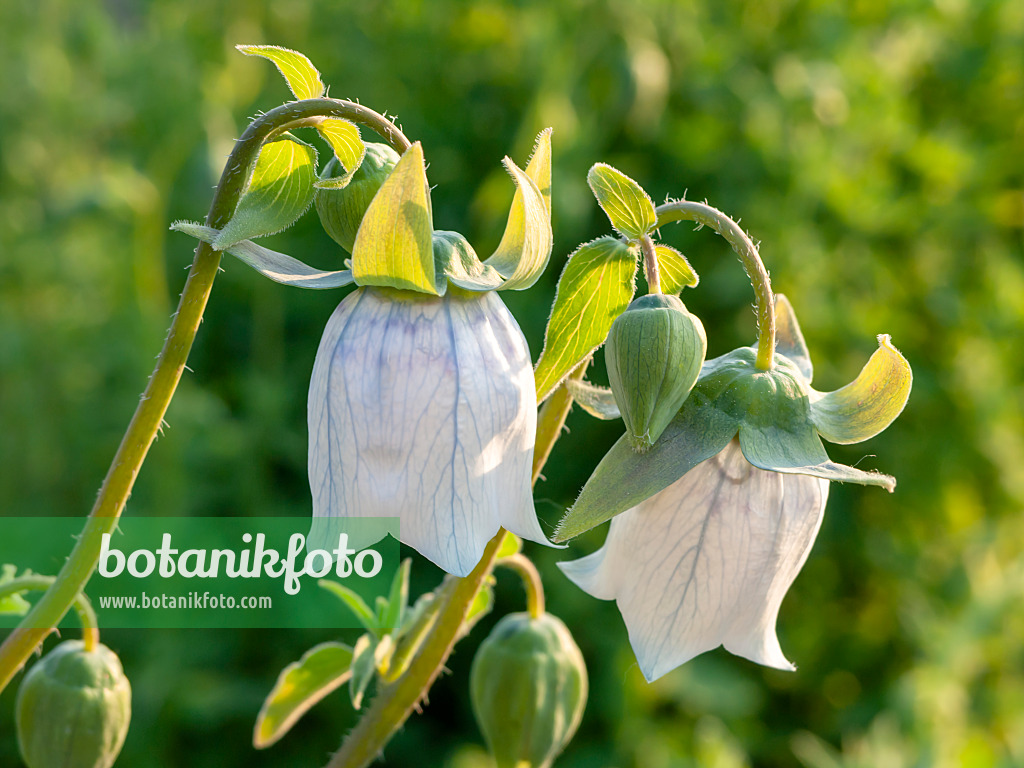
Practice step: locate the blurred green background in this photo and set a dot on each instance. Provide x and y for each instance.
(875, 148)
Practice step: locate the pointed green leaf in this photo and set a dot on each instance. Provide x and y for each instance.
(300, 685)
(415, 627)
(599, 402)
(789, 340)
(675, 271)
(868, 404)
(358, 606)
(348, 147)
(797, 449)
(624, 478)
(364, 665)
(398, 597)
(628, 207)
(394, 244)
(279, 267)
(279, 191)
(525, 247)
(298, 71)
(596, 285)
(382, 654)
(455, 257)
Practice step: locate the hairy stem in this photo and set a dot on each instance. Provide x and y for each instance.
(143, 427)
(679, 210)
(651, 264)
(82, 606)
(396, 701)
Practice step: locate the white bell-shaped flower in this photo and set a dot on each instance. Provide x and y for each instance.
(707, 561)
(423, 408)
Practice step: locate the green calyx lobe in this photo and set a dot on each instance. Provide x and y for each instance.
(341, 210)
(654, 354)
(73, 708)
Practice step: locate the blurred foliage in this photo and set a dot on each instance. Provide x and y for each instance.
(876, 148)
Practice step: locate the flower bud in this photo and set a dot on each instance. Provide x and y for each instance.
(654, 353)
(341, 210)
(73, 708)
(529, 686)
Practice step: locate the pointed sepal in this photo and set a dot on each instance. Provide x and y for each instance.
(627, 206)
(455, 257)
(349, 150)
(525, 247)
(599, 402)
(278, 192)
(394, 244)
(869, 403)
(298, 71)
(279, 267)
(789, 340)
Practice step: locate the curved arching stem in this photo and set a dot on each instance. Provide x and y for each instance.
(149, 414)
(680, 210)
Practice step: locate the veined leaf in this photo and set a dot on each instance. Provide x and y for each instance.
(394, 244)
(279, 191)
(298, 71)
(599, 402)
(300, 685)
(525, 247)
(675, 271)
(628, 207)
(596, 285)
(348, 147)
(279, 267)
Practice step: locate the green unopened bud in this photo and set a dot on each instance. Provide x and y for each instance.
(73, 708)
(529, 687)
(341, 210)
(654, 353)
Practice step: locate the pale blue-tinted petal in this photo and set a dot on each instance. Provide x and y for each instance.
(423, 408)
(707, 562)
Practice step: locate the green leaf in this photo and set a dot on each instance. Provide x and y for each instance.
(624, 478)
(364, 665)
(797, 449)
(300, 685)
(599, 402)
(869, 403)
(675, 271)
(455, 257)
(359, 607)
(298, 71)
(398, 597)
(596, 285)
(525, 247)
(279, 191)
(279, 267)
(628, 207)
(394, 244)
(348, 147)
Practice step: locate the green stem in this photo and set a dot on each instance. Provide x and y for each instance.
(396, 701)
(679, 210)
(143, 427)
(651, 264)
(530, 576)
(84, 609)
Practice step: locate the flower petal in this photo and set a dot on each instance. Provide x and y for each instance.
(797, 449)
(707, 562)
(869, 403)
(422, 408)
